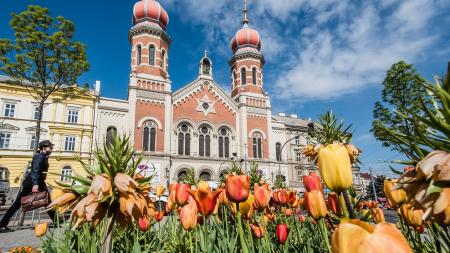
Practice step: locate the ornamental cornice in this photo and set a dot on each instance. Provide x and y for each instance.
(141, 29)
(257, 110)
(244, 55)
(150, 95)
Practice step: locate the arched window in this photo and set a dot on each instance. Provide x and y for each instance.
(181, 175)
(223, 175)
(257, 145)
(278, 151)
(151, 55)
(139, 55)
(4, 174)
(66, 173)
(205, 176)
(184, 139)
(243, 76)
(149, 136)
(111, 133)
(254, 76)
(224, 142)
(204, 141)
(163, 59)
(206, 68)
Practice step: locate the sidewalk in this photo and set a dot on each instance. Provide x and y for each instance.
(23, 237)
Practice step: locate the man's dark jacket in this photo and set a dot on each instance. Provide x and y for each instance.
(39, 168)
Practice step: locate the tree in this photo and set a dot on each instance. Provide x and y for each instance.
(378, 181)
(401, 97)
(43, 57)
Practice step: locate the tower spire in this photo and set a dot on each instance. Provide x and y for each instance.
(245, 20)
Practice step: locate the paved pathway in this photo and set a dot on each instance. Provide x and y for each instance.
(23, 237)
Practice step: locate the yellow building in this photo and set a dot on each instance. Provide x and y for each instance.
(69, 125)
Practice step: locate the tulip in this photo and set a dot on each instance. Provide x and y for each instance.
(125, 183)
(377, 214)
(315, 203)
(170, 206)
(280, 197)
(302, 218)
(312, 182)
(354, 236)
(247, 208)
(268, 217)
(223, 200)
(291, 197)
(262, 196)
(63, 202)
(40, 229)
(172, 193)
(206, 200)
(182, 195)
(394, 196)
(257, 231)
(159, 216)
(288, 211)
(188, 215)
(160, 190)
(101, 186)
(335, 167)
(333, 203)
(413, 216)
(144, 224)
(282, 233)
(237, 187)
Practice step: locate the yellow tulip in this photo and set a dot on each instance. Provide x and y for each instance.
(40, 229)
(246, 208)
(335, 167)
(160, 190)
(355, 236)
(413, 216)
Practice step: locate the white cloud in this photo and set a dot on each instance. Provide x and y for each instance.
(325, 48)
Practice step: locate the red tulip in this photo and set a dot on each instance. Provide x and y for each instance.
(257, 231)
(312, 182)
(159, 216)
(206, 200)
(291, 197)
(262, 196)
(282, 233)
(315, 203)
(237, 187)
(144, 224)
(181, 195)
(333, 203)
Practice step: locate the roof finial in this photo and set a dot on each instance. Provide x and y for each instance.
(245, 21)
(206, 52)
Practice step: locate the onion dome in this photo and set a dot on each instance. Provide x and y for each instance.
(246, 36)
(150, 10)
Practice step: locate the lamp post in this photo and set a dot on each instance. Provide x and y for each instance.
(281, 151)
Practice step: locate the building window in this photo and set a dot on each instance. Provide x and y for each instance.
(298, 156)
(33, 141)
(139, 55)
(205, 176)
(36, 113)
(111, 133)
(5, 139)
(243, 76)
(257, 145)
(181, 175)
(299, 175)
(72, 116)
(149, 138)
(163, 59)
(278, 151)
(151, 55)
(204, 141)
(66, 173)
(254, 76)
(224, 143)
(206, 67)
(184, 139)
(10, 110)
(4, 174)
(69, 143)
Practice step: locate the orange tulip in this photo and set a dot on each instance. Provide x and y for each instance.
(223, 200)
(40, 229)
(413, 216)
(354, 236)
(291, 197)
(333, 203)
(257, 231)
(377, 214)
(262, 196)
(182, 195)
(288, 211)
(144, 224)
(280, 197)
(160, 190)
(302, 218)
(315, 203)
(206, 200)
(312, 182)
(188, 215)
(394, 196)
(237, 187)
(172, 193)
(159, 216)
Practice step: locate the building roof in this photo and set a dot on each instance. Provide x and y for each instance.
(292, 121)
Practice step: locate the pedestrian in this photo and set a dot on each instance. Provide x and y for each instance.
(34, 182)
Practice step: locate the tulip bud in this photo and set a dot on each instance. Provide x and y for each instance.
(159, 216)
(315, 203)
(237, 187)
(282, 233)
(40, 229)
(160, 190)
(144, 224)
(333, 203)
(182, 195)
(335, 167)
(257, 231)
(188, 215)
(312, 182)
(262, 196)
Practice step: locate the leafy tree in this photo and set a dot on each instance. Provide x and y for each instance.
(280, 182)
(401, 97)
(43, 57)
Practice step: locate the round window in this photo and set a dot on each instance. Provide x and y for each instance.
(205, 105)
(223, 131)
(204, 130)
(184, 128)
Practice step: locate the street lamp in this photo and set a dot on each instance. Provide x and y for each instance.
(281, 151)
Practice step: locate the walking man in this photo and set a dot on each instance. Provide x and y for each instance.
(34, 182)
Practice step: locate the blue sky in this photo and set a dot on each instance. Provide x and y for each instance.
(320, 55)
